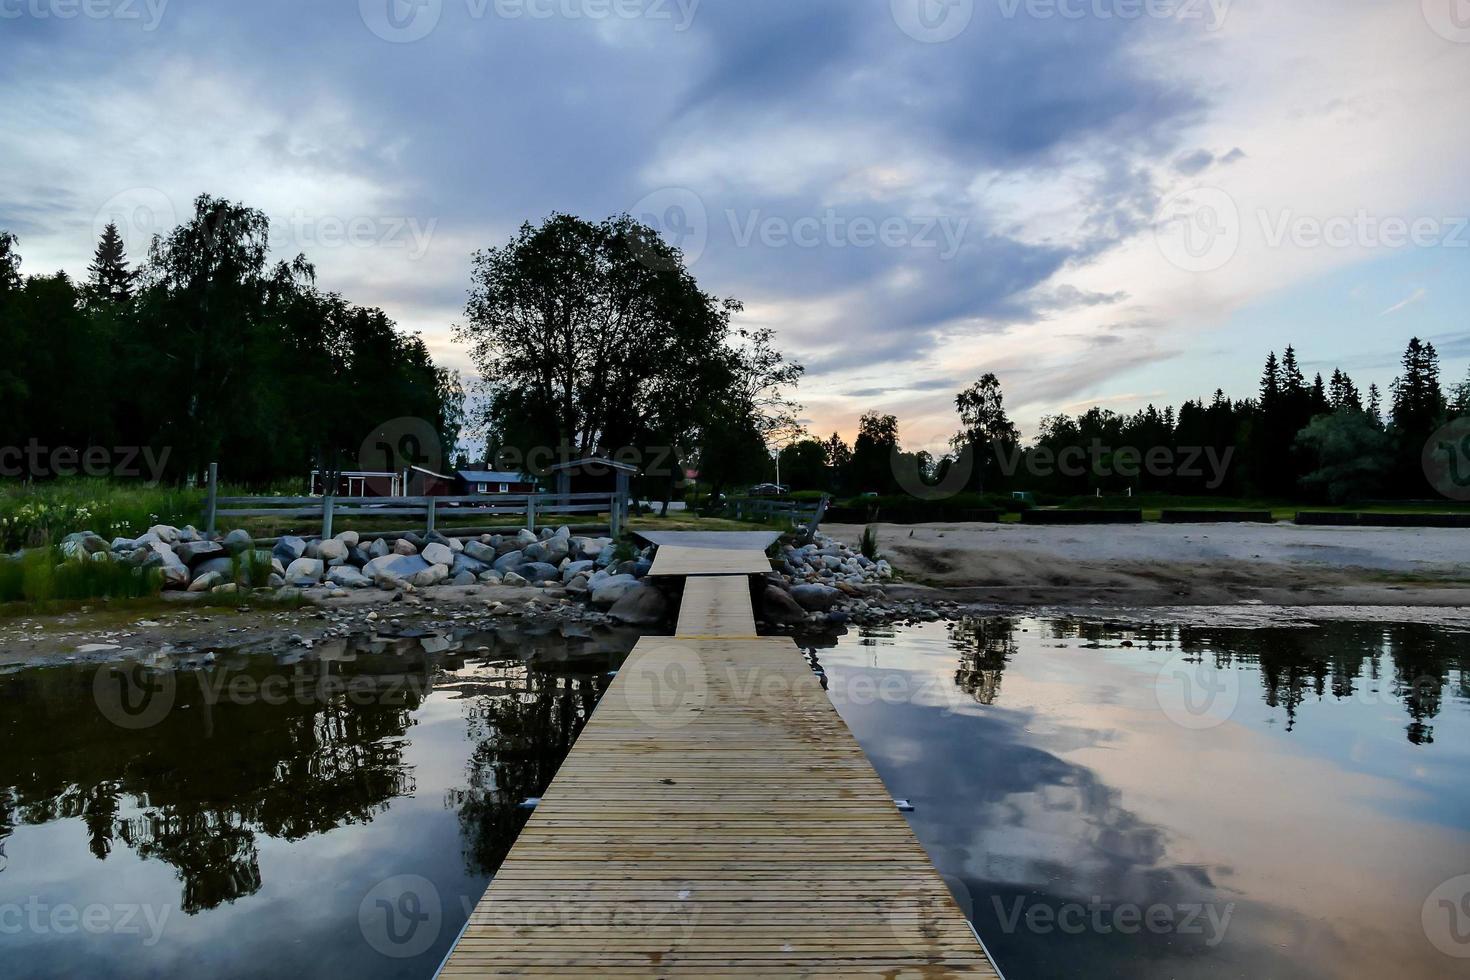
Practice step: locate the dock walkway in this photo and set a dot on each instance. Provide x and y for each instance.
(717, 818)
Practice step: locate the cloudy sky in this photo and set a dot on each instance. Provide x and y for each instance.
(1103, 201)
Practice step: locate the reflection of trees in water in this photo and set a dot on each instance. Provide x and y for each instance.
(523, 731)
(1331, 661)
(985, 646)
(195, 790)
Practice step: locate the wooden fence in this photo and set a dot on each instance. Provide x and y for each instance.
(528, 509)
(801, 513)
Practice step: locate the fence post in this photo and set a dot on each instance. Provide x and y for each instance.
(531, 513)
(614, 517)
(431, 514)
(329, 504)
(211, 508)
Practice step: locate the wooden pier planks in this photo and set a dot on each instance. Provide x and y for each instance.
(716, 605)
(716, 817)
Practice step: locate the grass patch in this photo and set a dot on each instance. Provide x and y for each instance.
(42, 575)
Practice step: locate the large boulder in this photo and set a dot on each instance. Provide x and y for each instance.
(83, 544)
(237, 541)
(510, 561)
(433, 575)
(305, 571)
(816, 598)
(551, 551)
(350, 538)
(347, 577)
(289, 548)
(465, 565)
(512, 578)
(612, 588)
(333, 552)
(396, 566)
(403, 546)
(206, 582)
(572, 569)
(439, 554)
(197, 551)
(378, 549)
(165, 533)
(641, 606)
(175, 572)
(537, 572)
(779, 608)
(480, 552)
(525, 538)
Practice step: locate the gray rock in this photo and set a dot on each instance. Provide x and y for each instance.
(188, 534)
(572, 569)
(578, 584)
(511, 578)
(611, 589)
(464, 563)
(464, 578)
(288, 549)
(490, 578)
(197, 551)
(525, 538)
(378, 549)
(206, 582)
(537, 572)
(84, 543)
(403, 546)
(778, 607)
(510, 562)
(164, 533)
(348, 578)
(430, 576)
(641, 606)
(237, 541)
(816, 598)
(350, 538)
(480, 552)
(276, 582)
(305, 571)
(439, 554)
(398, 566)
(333, 552)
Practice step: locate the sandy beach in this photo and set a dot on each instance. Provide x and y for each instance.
(1178, 564)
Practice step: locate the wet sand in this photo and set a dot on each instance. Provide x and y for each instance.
(1177, 564)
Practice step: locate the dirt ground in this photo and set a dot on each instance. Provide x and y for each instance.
(1177, 564)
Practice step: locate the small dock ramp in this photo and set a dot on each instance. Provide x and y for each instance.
(716, 818)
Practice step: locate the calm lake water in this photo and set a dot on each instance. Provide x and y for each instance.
(1156, 803)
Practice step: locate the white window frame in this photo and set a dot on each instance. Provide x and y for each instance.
(505, 488)
(482, 488)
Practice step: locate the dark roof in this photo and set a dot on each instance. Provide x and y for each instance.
(594, 461)
(492, 476)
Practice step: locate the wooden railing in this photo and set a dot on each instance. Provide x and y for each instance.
(332, 511)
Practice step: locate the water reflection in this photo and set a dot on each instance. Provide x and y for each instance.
(1298, 834)
(262, 753)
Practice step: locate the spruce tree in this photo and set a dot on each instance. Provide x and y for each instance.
(109, 275)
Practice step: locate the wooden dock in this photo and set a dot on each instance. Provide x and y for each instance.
(717, 818)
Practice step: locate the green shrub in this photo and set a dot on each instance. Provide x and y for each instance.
(42, 575)
(869, 543)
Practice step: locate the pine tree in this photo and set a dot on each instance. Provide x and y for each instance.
(109, 275)
(1375, 405)
(1418, 402)
(1293, 383)
(1320, 404)
(1270, 384)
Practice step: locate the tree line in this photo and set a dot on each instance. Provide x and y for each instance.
(1323, 439)
(209, 350)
